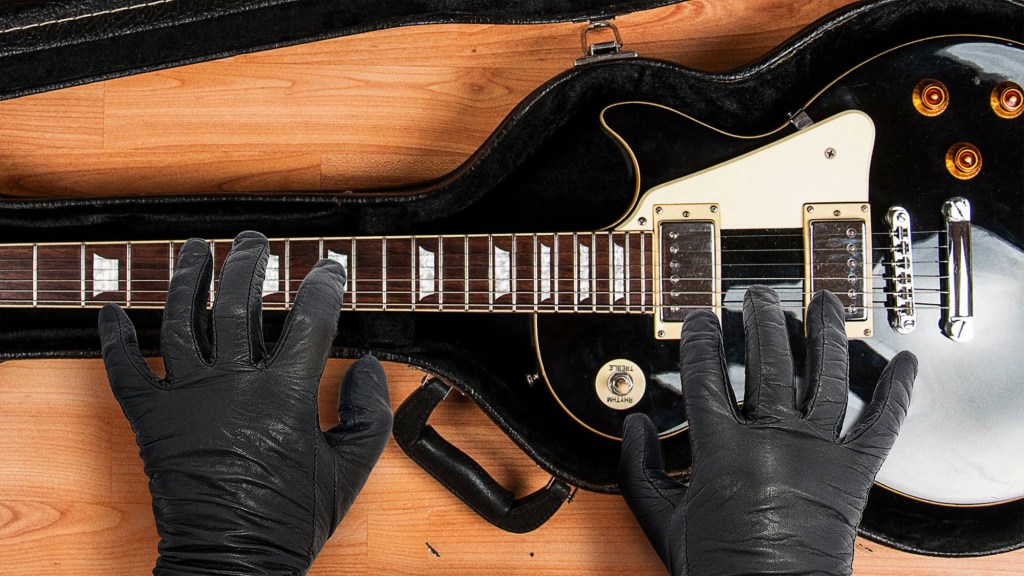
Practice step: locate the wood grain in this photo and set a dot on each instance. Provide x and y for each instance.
(387, 108)
(73, 496)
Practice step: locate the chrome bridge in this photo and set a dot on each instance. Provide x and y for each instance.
(900, 273)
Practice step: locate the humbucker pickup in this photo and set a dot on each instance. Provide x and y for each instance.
(688, 275)
(837, 245)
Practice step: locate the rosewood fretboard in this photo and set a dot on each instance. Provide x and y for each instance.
(585, 272)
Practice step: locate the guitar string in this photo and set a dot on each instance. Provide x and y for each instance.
(485, 306)
(461, 278)
(501, 293)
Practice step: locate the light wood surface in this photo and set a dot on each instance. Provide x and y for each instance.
(384, 108)
(391, 107)
(74, 500)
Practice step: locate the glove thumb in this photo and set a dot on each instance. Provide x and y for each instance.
(650, 493)
(364, 411)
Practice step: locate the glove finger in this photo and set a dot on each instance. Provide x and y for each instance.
(183, 339)
(364, 411)
(878, 426)
(706, 388)
(238, 306)
(769, 375)
(127, 371)
(649, 492)
(313, 321)
(827, 370)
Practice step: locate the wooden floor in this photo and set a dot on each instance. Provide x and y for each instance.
(384, 108)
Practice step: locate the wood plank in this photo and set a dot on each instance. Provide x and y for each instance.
(90, 514)
(327, 115)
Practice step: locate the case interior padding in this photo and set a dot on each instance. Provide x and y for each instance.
(547, 167)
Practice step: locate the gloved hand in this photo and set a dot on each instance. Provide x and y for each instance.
(242, 478)
(774, 489)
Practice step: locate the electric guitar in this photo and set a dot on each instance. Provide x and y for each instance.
(898, 187)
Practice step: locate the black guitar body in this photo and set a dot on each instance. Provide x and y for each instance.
(552, 167)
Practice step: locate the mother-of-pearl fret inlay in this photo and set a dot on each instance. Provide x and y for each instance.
(583, 273)
(104, 275)
(343, 260)
(272, 281)
(427, 272)
(502, 272)
(618, 272)
(545, 272)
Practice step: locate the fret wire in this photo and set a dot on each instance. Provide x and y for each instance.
(287, 270)
(465, 266)
(593, 273)
(35, 275)
(611, 266)
(128, 277)
(576, 269)
(414, 287)
(354, 265)
(629, 298)
(536, 273)
(83, 274)
(384, 272)
(513, 273)
(170, 263)
(440, 271)
(490, 267)
(556, 277)
(213, 275)
(643, 273)
(320, 250)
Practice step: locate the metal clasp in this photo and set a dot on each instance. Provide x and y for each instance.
(601, 51)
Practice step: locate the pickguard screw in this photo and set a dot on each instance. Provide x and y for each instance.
(836, 212)
(642, 221)
(657, 210)
(863, 207)
(714, 209)
(810, 209)
(830, 153)
(661, 333)
(686, 213)
(867, 331)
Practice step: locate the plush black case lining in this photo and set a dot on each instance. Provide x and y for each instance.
(47, 44)
(544, 162)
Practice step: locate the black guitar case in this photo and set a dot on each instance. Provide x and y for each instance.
(546, 160)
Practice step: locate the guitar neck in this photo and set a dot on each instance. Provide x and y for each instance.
(576, 272)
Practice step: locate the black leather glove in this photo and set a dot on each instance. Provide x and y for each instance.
(242, 478)
(774, 489)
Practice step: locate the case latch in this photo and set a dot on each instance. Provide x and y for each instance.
(601, 51)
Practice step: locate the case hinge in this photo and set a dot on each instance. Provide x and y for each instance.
(602, 51)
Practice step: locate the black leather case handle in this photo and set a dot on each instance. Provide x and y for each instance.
(461, 475)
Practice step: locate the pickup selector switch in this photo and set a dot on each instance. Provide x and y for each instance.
(620, 384)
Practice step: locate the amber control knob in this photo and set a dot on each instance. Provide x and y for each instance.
(1007, 100)
(931, 97)
(963, 160)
